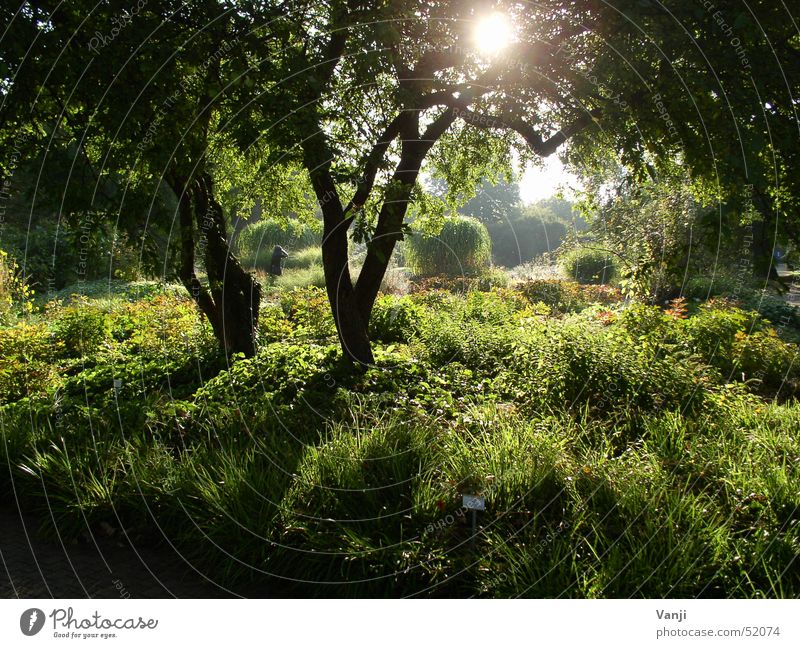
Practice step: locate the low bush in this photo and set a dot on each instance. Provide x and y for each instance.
(463, 247)
(27, 361)
(394, 319)
(309, 312)
(15, 293)
(568, 296)
(588, 266)
(80, 328)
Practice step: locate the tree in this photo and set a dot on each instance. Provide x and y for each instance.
(365, 96)
(148, 100)
(369, 95)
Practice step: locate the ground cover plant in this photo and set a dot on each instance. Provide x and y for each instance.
(623, 449)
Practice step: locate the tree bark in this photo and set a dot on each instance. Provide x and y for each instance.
(232, 298)
(351, 327)
(235, 292)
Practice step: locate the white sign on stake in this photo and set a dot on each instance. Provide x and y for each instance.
(474, 502)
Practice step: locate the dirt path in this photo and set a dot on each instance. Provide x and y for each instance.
(34, 568)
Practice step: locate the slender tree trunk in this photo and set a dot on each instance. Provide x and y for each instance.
(187, 273)
(389, 228)
(351, 327)
(231, 300)
(236, 293)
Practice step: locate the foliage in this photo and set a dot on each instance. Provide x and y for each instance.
(588, 265)
(15, 293)
(463, 247)
(584, 427)
(394, 319)
(80, 328)
(567, 296)
(308, 310)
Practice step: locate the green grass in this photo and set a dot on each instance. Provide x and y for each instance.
(622, 451)
(304, 258)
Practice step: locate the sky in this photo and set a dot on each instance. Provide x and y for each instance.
(544, 181)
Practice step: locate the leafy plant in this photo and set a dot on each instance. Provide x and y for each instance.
(588, 265)
(463, 247)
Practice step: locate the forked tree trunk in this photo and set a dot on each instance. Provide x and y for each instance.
(351, 327)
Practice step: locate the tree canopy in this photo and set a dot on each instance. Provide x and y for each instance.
(360, 99)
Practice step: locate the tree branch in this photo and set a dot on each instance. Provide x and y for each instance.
(373, 162)
(542, 147)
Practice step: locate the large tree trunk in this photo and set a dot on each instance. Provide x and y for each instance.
(350, 325)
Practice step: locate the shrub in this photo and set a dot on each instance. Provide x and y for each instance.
(765, 357)
(712, 331)
(463, 247)
(27, 351)
(588, 266)
(80, 327)
(520, 240)
(772, 307)
(703, 287)
(273, 325)
(580, 364)
(15, 294)
(309, 312)
(394, 319)
(568, 296)
(775, 309)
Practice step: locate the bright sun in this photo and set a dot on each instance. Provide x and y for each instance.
(493, 33)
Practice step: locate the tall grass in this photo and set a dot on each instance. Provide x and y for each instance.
(463, 247)
(257, 241)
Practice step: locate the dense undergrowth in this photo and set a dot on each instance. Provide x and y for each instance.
(623, 450)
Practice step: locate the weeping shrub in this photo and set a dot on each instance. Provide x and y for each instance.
(588, 266)
(463, 247)
(257, 241)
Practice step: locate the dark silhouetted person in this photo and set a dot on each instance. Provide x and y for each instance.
(278, 255)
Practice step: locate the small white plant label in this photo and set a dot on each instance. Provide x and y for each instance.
(474, 502)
